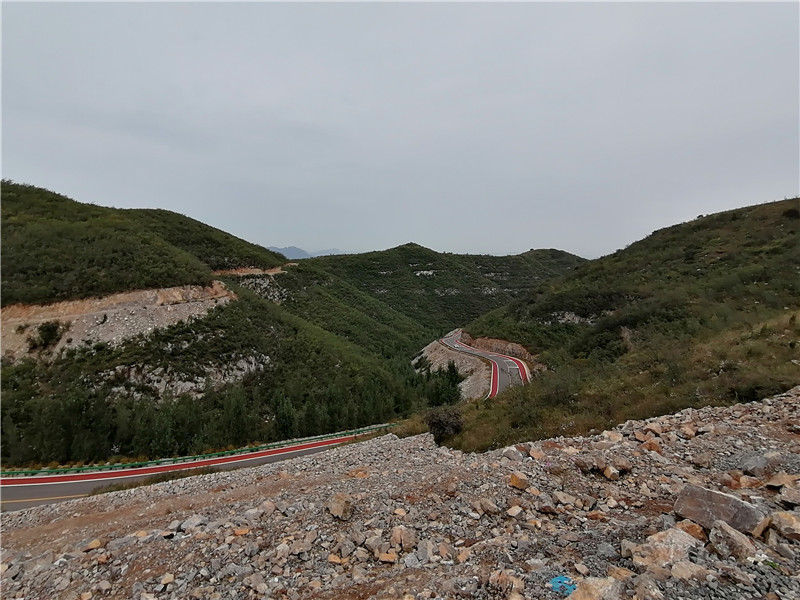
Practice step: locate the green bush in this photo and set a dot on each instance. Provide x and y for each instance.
(444, 422)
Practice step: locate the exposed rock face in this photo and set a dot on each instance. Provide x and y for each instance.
(404, 519)
(706, 506)
(111, 319)
(475, 371)
(501, 347)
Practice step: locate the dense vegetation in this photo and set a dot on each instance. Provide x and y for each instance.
(85, 406)
(700, 313)
(54, 248)
(338, 350)
(441, 291)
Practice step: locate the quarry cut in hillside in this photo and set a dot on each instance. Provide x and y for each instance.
(109, 319)
(475, 371)
(704, 503)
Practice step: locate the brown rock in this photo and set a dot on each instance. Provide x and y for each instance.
(506, 580)
(514, 511)
(686, 571)
(388, 557)
(620, 573)
(93, 545)
(789, 497)
(787, 524)
(726, 541)
(598, 588)
(703, 459)
(781, 479)
(611, 473)
(241, 531)
(693, 529)
(748, 482)
(518, 480)
(663, 549)
(536, 454)
(705, 506)
(612, 436)
(403, 537)
(652, 445)
(341, 507)
(654, 428)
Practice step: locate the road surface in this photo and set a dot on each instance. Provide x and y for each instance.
(506, 370)
(22, 492)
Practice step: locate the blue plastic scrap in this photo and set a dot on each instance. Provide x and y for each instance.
(563, 585)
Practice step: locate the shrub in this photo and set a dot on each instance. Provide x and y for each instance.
(791, 213)
(444, 423)
(47, 336)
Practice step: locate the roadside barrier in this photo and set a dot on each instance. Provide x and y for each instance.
(185, 459)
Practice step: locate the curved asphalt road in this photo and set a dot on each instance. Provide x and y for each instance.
(22, 492)
(506, 370)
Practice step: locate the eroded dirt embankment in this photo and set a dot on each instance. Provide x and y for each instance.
(499, 346)
(108, 319)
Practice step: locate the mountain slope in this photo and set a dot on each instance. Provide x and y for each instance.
(55, 248)
(314, 348)
(441, 291)
(703, 312)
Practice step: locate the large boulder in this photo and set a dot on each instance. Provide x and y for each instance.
(726, 541)
(705, 506)
(760, 464)
(787, 524)
(598, 588)
(341, 507)
(664, 548)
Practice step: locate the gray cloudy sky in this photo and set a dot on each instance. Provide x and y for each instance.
(463, 127)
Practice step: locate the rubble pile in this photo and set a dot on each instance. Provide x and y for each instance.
(699, 504)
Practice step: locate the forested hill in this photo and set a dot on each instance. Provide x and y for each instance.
(705, 312)
(441, 291)
(55, 248)
(324, 346)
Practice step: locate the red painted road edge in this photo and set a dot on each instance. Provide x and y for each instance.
(208, 462)
(495, 377)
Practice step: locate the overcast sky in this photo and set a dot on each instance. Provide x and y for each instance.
(463, 127)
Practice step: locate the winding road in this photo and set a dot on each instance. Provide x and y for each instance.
(506, 370)
(25, 491)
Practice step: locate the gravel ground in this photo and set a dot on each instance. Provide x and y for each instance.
(700, 504)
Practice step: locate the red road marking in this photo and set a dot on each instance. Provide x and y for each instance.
(495, 379)
(99, 475)
(523, 370)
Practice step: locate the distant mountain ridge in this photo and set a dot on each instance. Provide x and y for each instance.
(295, 253)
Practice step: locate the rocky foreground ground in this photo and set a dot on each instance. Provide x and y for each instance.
(700, 504)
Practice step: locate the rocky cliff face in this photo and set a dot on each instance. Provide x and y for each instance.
(501, 347)
(109, 319)
(699, 504)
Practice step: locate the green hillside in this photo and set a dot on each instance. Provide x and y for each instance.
(54, 248)
(332, 337)
(441, 291)
(705, 312)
